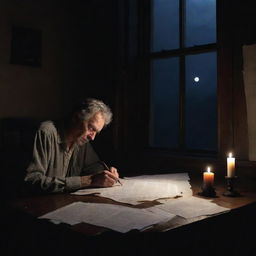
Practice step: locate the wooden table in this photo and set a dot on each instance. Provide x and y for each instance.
(216, 229)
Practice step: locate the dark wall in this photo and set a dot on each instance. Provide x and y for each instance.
(78, 55)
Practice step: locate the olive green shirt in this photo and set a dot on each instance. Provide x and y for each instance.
(53, 168)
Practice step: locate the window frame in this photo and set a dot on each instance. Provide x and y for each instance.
(181, 52)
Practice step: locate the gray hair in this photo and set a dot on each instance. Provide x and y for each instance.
(87, 109)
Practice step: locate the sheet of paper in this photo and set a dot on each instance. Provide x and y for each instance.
(145, 188)
(190, 207)
(115, 217)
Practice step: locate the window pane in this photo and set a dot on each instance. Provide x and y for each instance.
(200, 22)
(201, 102)
(164, 128)
(165, 25)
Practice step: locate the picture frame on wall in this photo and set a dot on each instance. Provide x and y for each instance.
(26, 46)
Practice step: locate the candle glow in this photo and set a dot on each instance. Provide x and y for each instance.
(230, 166)
(208, 177)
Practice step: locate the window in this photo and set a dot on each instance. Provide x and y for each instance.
(183, 75)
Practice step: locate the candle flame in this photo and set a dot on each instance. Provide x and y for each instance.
(208, 169)
(230, 155)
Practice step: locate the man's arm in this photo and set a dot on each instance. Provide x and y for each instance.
(36, 179)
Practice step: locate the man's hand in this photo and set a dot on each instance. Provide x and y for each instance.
(106, 178)
(114, 171)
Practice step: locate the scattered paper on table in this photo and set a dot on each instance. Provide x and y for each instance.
(145, 188)
(190, 207)
(115, 217)
(173, 191)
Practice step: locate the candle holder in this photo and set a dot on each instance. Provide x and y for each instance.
(230, 187)
(207, 191)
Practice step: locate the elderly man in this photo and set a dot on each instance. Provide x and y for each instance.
(63, 158)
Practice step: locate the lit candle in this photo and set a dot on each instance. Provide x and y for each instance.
(208, 178)
(230, 166)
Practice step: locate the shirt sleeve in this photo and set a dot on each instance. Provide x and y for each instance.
(36, 179)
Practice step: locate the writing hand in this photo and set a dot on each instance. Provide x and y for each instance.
(112, 170)
(104, 179)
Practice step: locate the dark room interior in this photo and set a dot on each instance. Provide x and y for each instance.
(56, 53)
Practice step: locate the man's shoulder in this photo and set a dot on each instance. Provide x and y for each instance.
(48, 126)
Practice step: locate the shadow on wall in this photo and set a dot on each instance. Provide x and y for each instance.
(16, 141)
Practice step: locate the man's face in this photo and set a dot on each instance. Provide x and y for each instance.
(89, 129)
